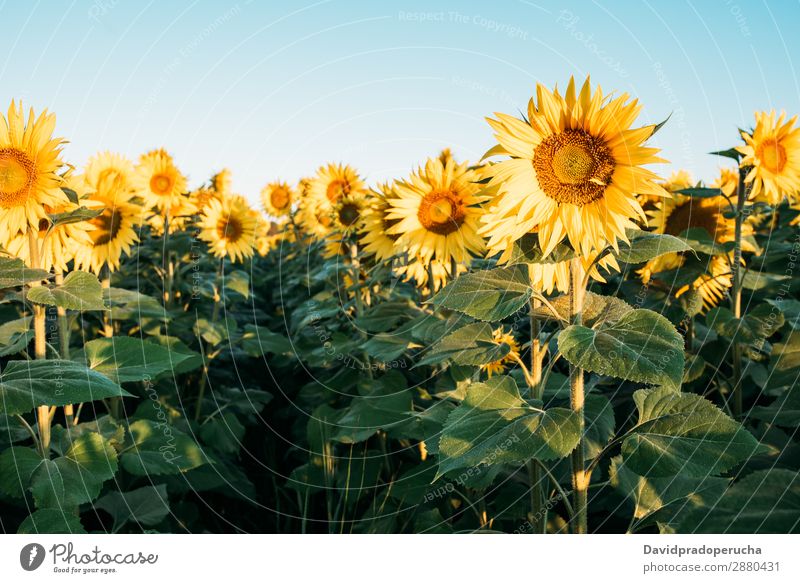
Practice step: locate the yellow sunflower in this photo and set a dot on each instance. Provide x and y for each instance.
(574, 172)
(499, 366)
(675, 215)
(180, 214)
(113, 231)
(437, 212)
(222, 181)
(105, 166)
(332, 183)
(157, 181)
(277, 199)
(549, 277)
(29, 161)
(269, 235)
(773, 153)
(421, 269)
(315, 218)
(375, 237)
(201, 197)
(229, 227)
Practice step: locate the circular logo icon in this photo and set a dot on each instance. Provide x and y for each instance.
(31, 556)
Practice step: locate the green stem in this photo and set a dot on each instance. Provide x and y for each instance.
(63, 345)
(40, 347)
(580, 485)
(198, 408)
(736, 292)
(538, 518)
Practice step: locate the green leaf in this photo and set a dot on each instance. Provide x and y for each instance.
(145, 506)
(731, 153)
(759, 323)
(701, 241)
(17, 465)
(764, 502)
(80, 291)
(258, 341)
(51, 521)
(27, 384)
(75, 216)
(495, 425)
(125, 359)
(784, 411)
(700, 192)
(15, 336)
(644, 246)
(71, 194)
(599, 425)
(224, 433)
(683, 434)
(237, 281)
(14, 273)
(596, 308)
(155, 448)
(388, 405)
(489, 295)
(472, 344)
(527, 251)
(664, 499)
(641, 346)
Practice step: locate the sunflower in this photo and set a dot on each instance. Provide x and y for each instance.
(727, 182)
(269, 235)
(222, 181)
(277, 198)
(201, 197)
(499, 366)
(375, 237)
(179, 215)
(315, 218)
(772, 153)
(574, 172)
(421, 269)
(437, 212)
(105, 166)
(113, 231)
(229, 227)
(29, 161)
(332, 183)
(157, 181)
(675, 215)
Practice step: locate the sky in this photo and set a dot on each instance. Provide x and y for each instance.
(272, 90)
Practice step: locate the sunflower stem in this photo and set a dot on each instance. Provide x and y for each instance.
(356, 266)
(198, 408)
(40, 346)
(736, 293)
(580, 485)
(63, 344)
(538, 518)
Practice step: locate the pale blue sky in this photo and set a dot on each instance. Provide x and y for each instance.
(275, 89)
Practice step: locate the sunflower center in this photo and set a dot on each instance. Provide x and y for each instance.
(279, 198)
(441, 212)
(772, 155)
(348, 214)
(691, 216)
(337, 189)
(107, 226)
(573, 167)
(230, 229)
(161, 184)
(17, 174)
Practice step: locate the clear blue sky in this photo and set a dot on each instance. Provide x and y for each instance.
(273, 89)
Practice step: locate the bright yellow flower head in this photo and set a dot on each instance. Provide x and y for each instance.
(201, 197)
(332, 183)
(29, 162)
(105, 166)
(773, 152)
(229, 227)
(574, 172)
(222, 181)
(315, 218)
(277, 198)
(437, 212)
(180, 214)
(157, 181)
(375, 237)
(113, 231)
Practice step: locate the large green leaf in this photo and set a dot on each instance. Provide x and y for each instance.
(51, 521)
(784, 411)
(146, 506)
(784, 363)
(759, 323)
(15, 335)
(17, 465)
(258, 341)
(472, 344)
(683, 434)
(155, 448)
(763, 502)
(526, 250)
(79, 291)
(14, 273)
(125, 359)
(488, 295)
(643, 246)
(641, 346)
(596, 308)
(388, 405)
(600, 424)
(495, 425)
(27, 384)
(663, 499)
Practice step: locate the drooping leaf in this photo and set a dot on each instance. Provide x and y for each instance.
(644, 246)
(758, 323)
(488, 295)
(79, 291)
(495, 425)
(146, 506)
(27, 384)
(472, 344)
(125, 359)
(14, 273)
(155, 448)
(683, 434)
(77, 215)
(701, 192)
(763, 502)
(527, 251)
(641, 346)
(258, 341)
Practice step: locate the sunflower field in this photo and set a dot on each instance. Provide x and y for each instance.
(553, 339)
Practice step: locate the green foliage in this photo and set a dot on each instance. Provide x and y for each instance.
(489, 295)
(80, 291)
